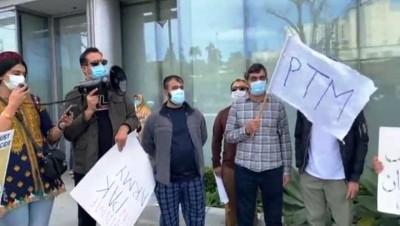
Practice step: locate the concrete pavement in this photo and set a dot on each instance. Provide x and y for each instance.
(65, 211)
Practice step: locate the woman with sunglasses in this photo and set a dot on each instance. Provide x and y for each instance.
(28, 195)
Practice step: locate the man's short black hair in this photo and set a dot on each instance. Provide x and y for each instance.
(254, 68)
(172, 77)
(82, 58)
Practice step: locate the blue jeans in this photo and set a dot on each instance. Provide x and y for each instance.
(32, 214)
(270, 182)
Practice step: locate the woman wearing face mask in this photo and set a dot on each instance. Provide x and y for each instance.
(142, 111)
(28, 194)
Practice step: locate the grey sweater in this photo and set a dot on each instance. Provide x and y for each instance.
(157, 137)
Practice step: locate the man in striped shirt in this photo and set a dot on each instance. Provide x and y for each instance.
(264, 154)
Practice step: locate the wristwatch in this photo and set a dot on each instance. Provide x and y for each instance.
(59, 126)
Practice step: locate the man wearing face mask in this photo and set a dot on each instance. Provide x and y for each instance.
(239, 88)
(174, 136)
(100, 121)
(263, 153)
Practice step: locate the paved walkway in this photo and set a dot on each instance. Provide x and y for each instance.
(65, 211)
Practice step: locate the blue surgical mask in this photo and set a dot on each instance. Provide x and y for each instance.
(99, 71)
(177, 96)
(136, 102)
(258, 88)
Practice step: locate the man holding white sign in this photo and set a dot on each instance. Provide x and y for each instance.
(330, 169)
(225, 167)
(259, 126)
(100, 121)
(331, 131)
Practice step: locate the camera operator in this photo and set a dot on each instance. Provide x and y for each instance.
(100, 120)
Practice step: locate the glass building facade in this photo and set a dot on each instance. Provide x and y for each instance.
(211, 43)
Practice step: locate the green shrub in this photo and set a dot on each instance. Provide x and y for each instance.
(212, 197)
(365, 205)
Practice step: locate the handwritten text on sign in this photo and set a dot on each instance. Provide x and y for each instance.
(389, 178)
(118, 187)
(5, 148)
(330, 94)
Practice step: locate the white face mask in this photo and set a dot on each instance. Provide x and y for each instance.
(238, 94)
(15, 81)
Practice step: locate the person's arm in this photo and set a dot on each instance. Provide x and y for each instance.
(284, 138)
(147, 141)
(216, 142)
(361, 131)
(131, 121)
(51, 132)
(298, 133)
(82, 119)
(6, 117)
(203, 128)
(16, 98)
(234, 133)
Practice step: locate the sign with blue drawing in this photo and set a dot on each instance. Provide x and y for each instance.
(330, 94)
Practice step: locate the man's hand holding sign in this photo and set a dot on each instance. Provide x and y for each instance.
(116, 194)
(331, 131)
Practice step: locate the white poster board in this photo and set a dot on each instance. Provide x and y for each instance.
(389, 178)
(5, 149)
(117, 189)
(330, 94)
(223, 197)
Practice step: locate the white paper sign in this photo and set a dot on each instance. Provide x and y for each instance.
(5, 148)
(389, 178)
(330, 94)
(118, 187)
(223, 197)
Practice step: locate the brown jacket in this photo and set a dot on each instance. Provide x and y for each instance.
(228, 155)
(84, 134)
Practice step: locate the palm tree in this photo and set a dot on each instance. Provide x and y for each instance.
(194, 52)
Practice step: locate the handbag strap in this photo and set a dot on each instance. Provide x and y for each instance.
(20, 118)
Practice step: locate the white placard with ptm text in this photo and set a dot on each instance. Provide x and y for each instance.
(330, 94)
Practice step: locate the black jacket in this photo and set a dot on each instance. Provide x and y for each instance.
(353, 148)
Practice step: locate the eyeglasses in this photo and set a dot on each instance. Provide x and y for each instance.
(238, 88)
(97, 62)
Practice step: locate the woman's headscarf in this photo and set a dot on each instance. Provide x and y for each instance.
(8, 60)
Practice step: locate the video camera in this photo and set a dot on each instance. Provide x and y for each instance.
(116, 81)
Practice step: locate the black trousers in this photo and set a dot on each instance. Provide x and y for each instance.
(84, 218)
(271, 185)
